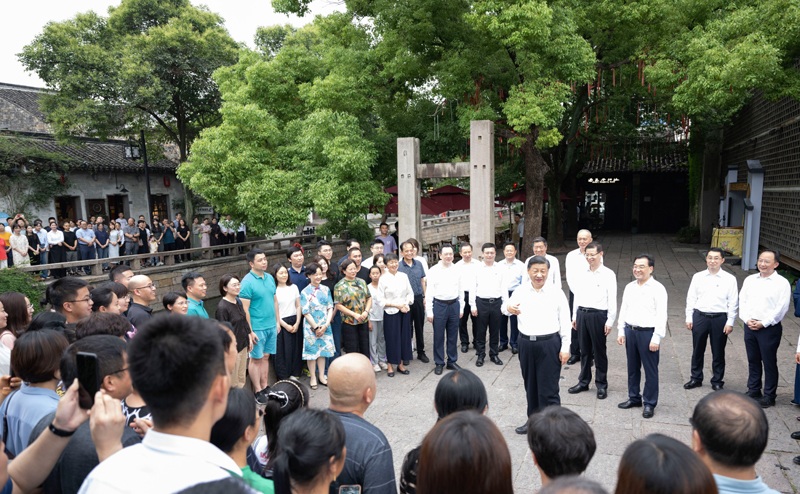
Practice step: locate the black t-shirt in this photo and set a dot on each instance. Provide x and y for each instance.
(78, 459)
(182, 232)
(139, 314)
(70, 238)
(132, 413)
(234, 314)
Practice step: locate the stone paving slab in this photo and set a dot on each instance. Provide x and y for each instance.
(403, 409)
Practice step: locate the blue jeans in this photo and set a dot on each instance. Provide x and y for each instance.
(87, 252)
(43, 260)
(102, 253)
(336, 329)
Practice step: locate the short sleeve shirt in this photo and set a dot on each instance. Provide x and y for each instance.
(353, 295)
(415, 273)
(196, 309)
(389, 245)
(260, 291)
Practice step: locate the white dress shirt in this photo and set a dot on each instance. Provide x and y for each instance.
(423, 261)
(713, 293)
(515, 273)
(574, 263)
(367, 263)
(468, 273)
(542, 312)
(597, 290)
(644, 306)
(54, 237)
(443, 284)
(161, 464)
(553, 273)
(394, 289)
(489, 283)
(764, 299)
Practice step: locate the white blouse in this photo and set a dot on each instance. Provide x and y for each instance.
(55, 237)
(287, 297)
(394, 289)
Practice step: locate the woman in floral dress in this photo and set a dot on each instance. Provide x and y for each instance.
(19, 246)
(316, 304)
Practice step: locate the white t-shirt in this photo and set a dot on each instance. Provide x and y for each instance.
(287, 297)
(376, 311)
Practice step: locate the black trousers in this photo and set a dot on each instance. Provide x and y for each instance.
(541, 371)
(463, 331)
(762, 349)
(57, 254)
(397, 331)
(489, 314)
(704, 328)
(574, 346)
(445, 327)
(637, 346)
(591, 331)
(504, 335)
(289, 351)
(418, 321)
(355, 338)
(240, 237)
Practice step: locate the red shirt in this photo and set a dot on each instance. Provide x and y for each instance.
(3, 255)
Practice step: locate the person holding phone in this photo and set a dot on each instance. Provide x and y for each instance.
(100, 363)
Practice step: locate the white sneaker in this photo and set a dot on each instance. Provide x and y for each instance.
(160, 264)
(376, 368)
(383, 365)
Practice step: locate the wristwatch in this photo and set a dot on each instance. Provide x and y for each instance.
(59, 432)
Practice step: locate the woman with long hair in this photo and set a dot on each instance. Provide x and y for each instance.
(105, 300)
(283, 399)
(230, 309)
(289, 345)
(19, 311)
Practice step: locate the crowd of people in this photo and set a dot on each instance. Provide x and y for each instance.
(173, 412)
(23, 243)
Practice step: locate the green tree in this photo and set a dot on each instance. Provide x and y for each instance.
(147, 65)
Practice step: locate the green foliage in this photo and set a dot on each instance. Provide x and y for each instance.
(147, 65)
(29, 176)
(688, 235)
(14, 280)
(695, 177)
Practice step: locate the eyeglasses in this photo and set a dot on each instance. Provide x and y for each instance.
(151, 286)
(121, 370)
(30, 306)
(234, 284)
(87, 299)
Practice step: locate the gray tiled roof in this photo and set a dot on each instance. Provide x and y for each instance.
(24, 97)
(87, 154)
(674, 162)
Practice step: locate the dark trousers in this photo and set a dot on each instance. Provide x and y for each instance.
(86, 252)
(762, 349)
(445, 322)
(504, 340)
(418, 320)
(541, 371)
(397, 332)
(796, 383)
(463, 331)
(58, 254)
(240, 237)
(180, 245)
(489, 314)
(591, 331)
(637, 347)
(336, 329)
(355, 338)
(289, 351)
(702, 328)
(574, 346)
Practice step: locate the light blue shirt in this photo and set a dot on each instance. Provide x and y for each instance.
(727, 485)
(514, 273)
(24, 409)
(87, 235)
(42, 234)
(196, 309)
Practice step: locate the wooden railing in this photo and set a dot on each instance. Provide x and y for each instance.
(169, 257)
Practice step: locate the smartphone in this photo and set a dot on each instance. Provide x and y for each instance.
(350, 489)
(88, 379)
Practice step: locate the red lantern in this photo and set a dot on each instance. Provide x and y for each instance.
(166, 181)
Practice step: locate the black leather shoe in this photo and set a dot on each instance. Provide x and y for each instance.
(766, 402)
(573, 359)
(479, 362)
(648, 412)
(577, 389)
(438, 370)
(422, 357)
(390, 374)
(496, 360)
(796, 460)
(453, 366)
(464, 348)
(405, 372)
(796, 435)
(692, 384)
(502, 348)
(405, 362)
(602, 394)
(756, 395)
(514, 350)
(630, 404)
(716, 387)
(523, 429)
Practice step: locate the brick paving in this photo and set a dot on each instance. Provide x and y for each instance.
(403, 409)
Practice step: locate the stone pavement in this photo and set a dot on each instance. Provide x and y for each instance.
(403, 409)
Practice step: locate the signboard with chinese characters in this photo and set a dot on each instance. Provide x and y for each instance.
(603, 180)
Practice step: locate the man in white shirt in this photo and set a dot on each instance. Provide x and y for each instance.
(574, 264)
(375, 247)
(467, 265)
(515, 274)
(763, 302)
(711, 305)
(642, 325)
(177, 365)
(540, 249)
(444, 304)
(544, 332)
(593, 315)
(487, 297)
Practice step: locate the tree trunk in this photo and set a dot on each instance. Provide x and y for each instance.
(534, 184)
(555, 228)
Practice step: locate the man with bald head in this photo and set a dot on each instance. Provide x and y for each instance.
(368, 463)
(142, 291)
(575, 265)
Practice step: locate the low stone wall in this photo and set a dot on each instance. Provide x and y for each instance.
(438, 229)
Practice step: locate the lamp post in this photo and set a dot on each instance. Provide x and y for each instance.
(134, 151)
